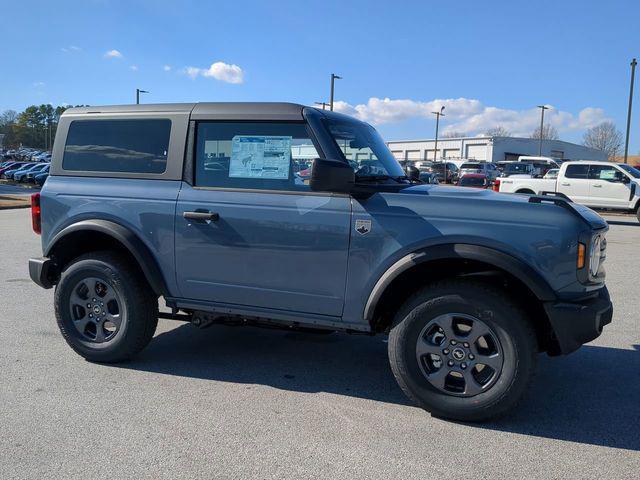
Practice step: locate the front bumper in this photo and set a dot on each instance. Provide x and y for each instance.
(41, 271)
(576, 323)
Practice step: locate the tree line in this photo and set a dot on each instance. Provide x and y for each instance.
(34, 127)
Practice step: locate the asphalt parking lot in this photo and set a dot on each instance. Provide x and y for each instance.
(247, 403)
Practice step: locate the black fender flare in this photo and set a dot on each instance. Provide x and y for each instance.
(128, 239)
(504, 261)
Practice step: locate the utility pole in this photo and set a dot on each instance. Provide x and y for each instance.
(435, 150)
(324, 104)
(542, 108)
(334, 77)
(138, 92)
(626, 142)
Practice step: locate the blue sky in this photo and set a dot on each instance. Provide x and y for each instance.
(489, 62)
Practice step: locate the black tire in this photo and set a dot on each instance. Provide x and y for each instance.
(138, 312)
(506, 321)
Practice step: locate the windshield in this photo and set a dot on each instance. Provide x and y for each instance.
(364, 149)
(467, 181)
(634, 172)
(517, 168)
(471, 166)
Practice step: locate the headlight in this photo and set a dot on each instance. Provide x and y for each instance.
(595, 256)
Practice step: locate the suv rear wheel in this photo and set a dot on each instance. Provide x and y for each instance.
(105, 309)
(462, 350)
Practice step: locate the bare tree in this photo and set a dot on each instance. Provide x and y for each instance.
(8, 117)
(453, 134)
(549, 132)
(498, 131)
(604, 137)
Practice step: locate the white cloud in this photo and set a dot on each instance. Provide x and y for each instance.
(219, 70)
(134, 68)
(39, 84)
(470, 116)
(113, 54)
(167, 68)
(71, 49)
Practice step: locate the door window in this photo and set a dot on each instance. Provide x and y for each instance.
(605, 172)
(263, 156)
(577, 171)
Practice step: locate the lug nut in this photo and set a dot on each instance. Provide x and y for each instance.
(463, 365)
(453, 342)
(471, 356)
(94, 299)
(88, 305)
(91, 315)
(445, 351)
(450, 363)
(466, 345)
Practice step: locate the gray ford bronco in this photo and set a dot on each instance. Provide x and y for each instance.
(284, 215)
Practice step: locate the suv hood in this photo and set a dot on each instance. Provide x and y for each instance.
(506, 205)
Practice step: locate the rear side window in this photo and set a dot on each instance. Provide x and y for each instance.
(124, 146)
(577, 171)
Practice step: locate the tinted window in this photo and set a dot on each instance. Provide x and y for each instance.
(476, 166)
(634, 172)
(267, 156)
(605, 172)
(467, 181)
(128, 146)
(577, 171)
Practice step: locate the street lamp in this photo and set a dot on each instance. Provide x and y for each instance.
(435, 150)
(626, 142)
(542, 109)
(324, 104)
(334, 77)
(138, 92)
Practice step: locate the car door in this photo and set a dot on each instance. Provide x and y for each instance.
(250, 232)
(607, 186)
(575, 183)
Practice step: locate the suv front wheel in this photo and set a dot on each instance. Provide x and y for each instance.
(462, 350)
(105, 309)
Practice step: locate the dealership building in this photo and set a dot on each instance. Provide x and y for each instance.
(491, 149)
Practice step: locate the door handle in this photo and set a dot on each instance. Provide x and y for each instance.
(201, 216)
(565, 184)
(597, 186)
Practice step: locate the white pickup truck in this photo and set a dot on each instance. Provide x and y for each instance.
(594, 184)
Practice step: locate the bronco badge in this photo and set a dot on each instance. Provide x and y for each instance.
(363, 226)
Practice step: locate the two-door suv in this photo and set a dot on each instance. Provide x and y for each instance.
(286, 215)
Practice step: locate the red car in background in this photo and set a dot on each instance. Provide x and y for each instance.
(474, 180)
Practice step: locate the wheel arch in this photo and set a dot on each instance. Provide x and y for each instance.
(458, 260)
(90, 235)
(526, 191)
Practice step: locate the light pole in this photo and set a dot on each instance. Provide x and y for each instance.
(439, 114)
(626, 142)
(324, 104)
(334, 77)
(542, 109)
(138, 92)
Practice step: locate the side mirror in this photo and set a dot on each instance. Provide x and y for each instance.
(331, 176)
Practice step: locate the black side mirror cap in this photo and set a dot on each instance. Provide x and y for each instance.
(331, 176)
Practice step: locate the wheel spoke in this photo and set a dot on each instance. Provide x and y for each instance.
(478, 330)
(108, 296)
(81, 324)
(471, 386)
(99, 333)
(438, 377)
(425, 347)
(76, 299)
(446, 324)
(494, 361)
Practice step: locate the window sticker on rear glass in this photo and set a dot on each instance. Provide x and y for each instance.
(259, 156)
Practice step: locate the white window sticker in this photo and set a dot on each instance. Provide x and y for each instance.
(607, 174)
(260, 157)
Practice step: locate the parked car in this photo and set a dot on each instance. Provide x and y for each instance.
(591, 183)
(30, 176)
(519, 169)
(8, 173)
(552, 173)
(429, 178)
(40, 178)
(20, 175)
(475, 180)
(359, 252)
(446, 172)
(10, 166)
(485, 168)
